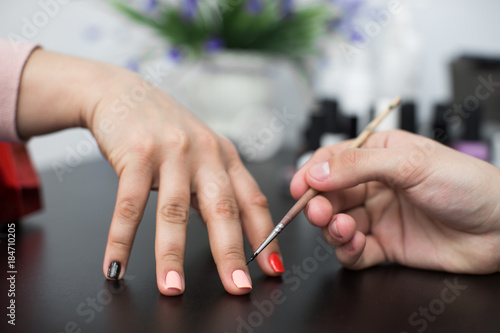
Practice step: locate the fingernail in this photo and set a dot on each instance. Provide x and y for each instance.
(173, 280)
(348, 246)
(320, 171)
(276, 264)
(241, 280)
(114, 270)
(335, 229)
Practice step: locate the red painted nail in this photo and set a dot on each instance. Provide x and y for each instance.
(276, 264)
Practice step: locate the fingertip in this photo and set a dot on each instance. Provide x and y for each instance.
(113, 270)
(350, 252)
(239, 282)
(171, 283)
(298, 187)
(270, 261)
(170, 291)
(342, 228)
(319, 211)
(276, 263)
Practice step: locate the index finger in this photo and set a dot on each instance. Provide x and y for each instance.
(220, 210)
(133, 193)
(396, 138)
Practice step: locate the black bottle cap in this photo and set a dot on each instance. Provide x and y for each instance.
(407, 120)
(473, 125)
(316, 129)
(351, 129)
(333, 118)
(440, 125)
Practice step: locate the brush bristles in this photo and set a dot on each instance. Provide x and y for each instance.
(251, 259)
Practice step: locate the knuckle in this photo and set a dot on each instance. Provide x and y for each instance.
(235, 167)
(119, 244)
(226, 209)
(229, 148)
(179, 140)
(173, 255)
(412, 165)
(209, 141)
(129, 211)
(145, 147)
(232, 253)
(350, 158)
(175, 211)
(322, 151)
(259, 200)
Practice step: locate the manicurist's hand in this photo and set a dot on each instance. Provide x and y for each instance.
(152, 142)
(406, 199)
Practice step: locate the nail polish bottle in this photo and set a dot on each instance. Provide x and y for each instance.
(313, 135)
(439, 130)
(495, 149)
(351, 128)
(407, 120)
(334, 124)
(471, 143)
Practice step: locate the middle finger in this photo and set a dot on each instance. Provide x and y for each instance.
(219, 209)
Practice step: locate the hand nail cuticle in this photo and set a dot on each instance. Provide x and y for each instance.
(335, 229)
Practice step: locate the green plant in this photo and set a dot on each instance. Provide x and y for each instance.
(198, 28)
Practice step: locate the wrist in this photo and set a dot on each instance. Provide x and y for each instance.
(59, 91)
(109, 86)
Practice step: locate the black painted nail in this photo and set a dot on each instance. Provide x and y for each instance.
(114, 270)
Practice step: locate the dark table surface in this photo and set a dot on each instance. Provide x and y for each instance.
(60, 286)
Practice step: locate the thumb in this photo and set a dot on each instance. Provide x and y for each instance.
(397, 168)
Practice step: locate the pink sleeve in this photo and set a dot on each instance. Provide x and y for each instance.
(13, 56)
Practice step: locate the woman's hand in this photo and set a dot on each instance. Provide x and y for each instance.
(152, 142)
(406, 199)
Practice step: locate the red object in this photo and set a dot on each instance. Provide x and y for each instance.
(19, 184)
(276, 264)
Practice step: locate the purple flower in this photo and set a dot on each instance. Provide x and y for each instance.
(350, 7)
(346, 23)
(175, 54)
(214, 44)
(189, 9)
(356, 36)
(286, 7)
(254, 6)
(132, 65)
(151, 5)
(92, 33)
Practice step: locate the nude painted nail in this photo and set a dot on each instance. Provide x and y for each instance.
(241, 280)
(173, 280)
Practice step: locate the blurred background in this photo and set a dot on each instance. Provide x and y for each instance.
(271, 75)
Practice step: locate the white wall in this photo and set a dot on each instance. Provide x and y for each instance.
(446, 28)
(420, 41)
(450, 28)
